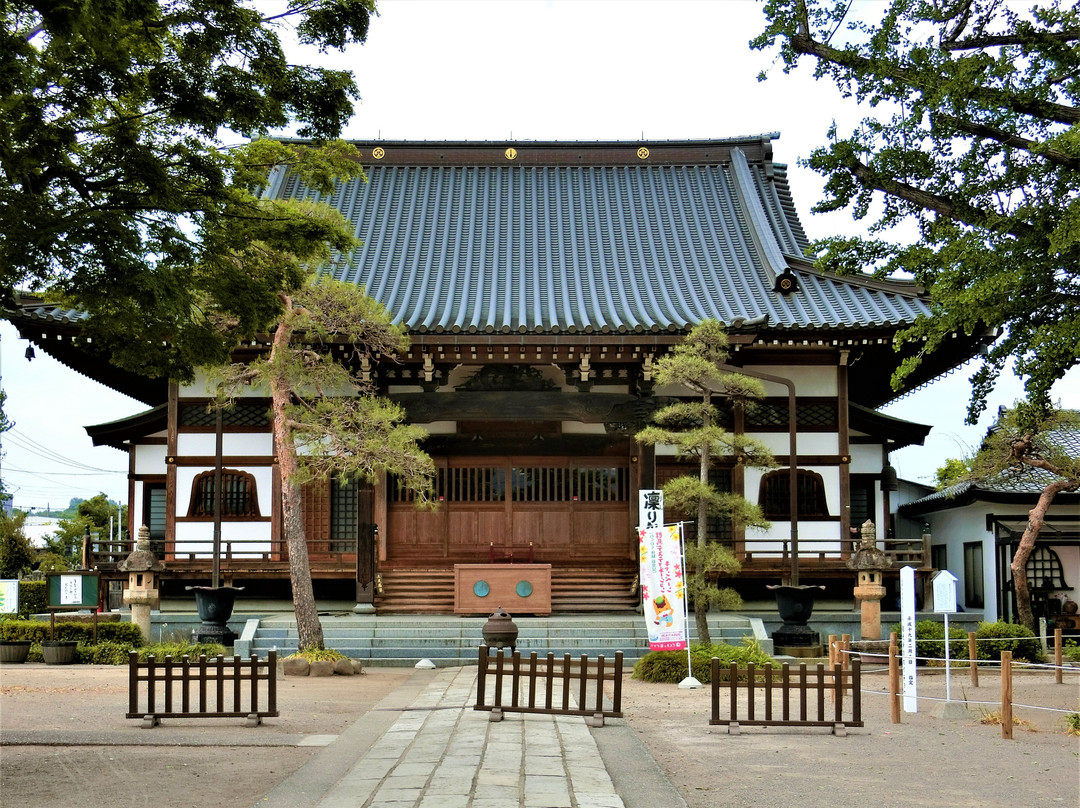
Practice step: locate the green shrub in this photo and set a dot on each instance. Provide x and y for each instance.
(102, 653)
(930, 641)
(993, 638)
(38, 630)
(670, 666)
(1071, 651)
(319, 654)
(178, 650)
(32, 598)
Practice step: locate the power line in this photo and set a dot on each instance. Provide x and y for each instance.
(28, 444)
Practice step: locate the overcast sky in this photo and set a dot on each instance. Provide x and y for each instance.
(532, 70)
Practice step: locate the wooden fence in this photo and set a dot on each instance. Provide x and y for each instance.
(201, 689)
(796, 691)
(548, 685)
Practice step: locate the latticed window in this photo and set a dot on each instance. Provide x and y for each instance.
(240, 414)
(238, 500)
(538, 483)
(809, 415)
(775, 500)
(344, 515)
(1044, 570)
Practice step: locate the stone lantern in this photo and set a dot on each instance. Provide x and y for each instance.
(869, 562)
(142, 592)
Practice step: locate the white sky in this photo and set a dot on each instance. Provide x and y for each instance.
(530, 70)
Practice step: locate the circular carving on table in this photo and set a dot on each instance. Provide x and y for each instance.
(481, 589)
(523, 588)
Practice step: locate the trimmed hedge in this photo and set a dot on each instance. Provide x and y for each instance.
(670, 666)
(991, 640)
(83, 632)
(33, 598)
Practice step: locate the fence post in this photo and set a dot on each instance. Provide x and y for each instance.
(845, 648)
(832, 650)
(1059, 662)
(973, 655)
(894, 679)
(1006, 695)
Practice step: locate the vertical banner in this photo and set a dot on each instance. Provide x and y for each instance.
(662, 587)
(907, 637)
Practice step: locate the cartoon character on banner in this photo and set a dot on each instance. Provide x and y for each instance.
(664, 612)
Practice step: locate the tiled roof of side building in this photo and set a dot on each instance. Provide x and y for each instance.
(1026, 482)
(608, 246)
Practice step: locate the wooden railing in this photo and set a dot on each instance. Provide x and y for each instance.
(777, 551)
(795, 691)
(171, 689)
(107, 554)
(548, 685)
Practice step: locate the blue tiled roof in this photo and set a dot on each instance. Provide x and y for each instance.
(642, 247)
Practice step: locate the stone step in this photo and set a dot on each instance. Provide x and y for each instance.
(400, 640)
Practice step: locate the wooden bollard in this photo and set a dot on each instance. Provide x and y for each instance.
(972, 655)
(845, 649)
(1006, 695)
(832, 650)
(894, 679)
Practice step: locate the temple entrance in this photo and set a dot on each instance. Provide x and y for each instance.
(566, 511)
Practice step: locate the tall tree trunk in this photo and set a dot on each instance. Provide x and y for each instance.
(1036, 517)
(308, 627)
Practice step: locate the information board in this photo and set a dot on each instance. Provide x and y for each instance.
(72, 590)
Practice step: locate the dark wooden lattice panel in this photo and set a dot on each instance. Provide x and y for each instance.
(242, 414)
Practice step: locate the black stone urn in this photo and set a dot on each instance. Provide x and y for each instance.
(215, 605)
(795, 605)
(500, 630)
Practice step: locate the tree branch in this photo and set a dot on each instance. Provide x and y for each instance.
(1044, 110)
(1011, 140)
(1003, 40)
(941, 205)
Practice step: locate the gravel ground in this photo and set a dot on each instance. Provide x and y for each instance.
(66, 743)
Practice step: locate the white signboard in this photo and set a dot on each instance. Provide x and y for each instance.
(907, 636)
(650, 509)
(945, 592)
(9, 596)
(71, 590)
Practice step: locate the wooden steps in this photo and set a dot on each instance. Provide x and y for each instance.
(431, 591)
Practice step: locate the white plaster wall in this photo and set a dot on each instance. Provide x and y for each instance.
(810, 380)
(1070, 565)
(202, 388)
(195, 444)
(150, 459)
(806, 443)
(954, 528)
(135, 507)
(250, 539)
(441, 427)
(578, 428)
(247, 444)
(866, 459)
